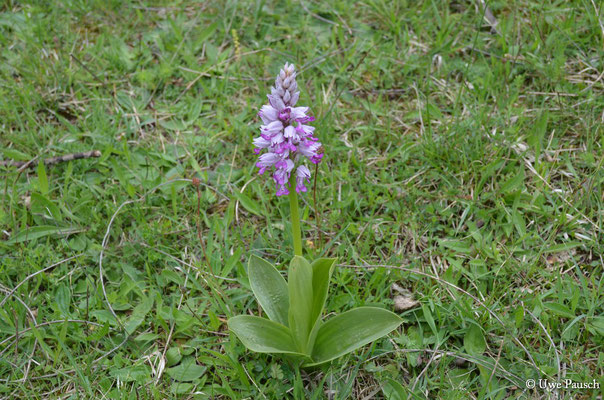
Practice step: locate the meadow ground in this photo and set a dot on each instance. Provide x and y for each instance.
(462, 172)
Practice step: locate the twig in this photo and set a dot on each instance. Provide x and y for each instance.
(49, 161)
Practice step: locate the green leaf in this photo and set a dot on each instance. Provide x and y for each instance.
(351, 330)
(596, 325)
(174, 125)
(16, 155)
(457, 245)
(41, 205)
(514, 183)
(204, 35)
(429, 319)
(519, 223)
(36, 232)
(181, 388)
(519, 316)
(146, 337)
(138, 314)
(249, 204)
(561, 247)
(186, 371)
(474, 341)
(63, 299)
(560, 310)
(322, 269)
(173, 356)
(300, 302)
(270, 289)
(42, 178)
(262, 335)
(393, 390)
(536, 138)
(135, 373)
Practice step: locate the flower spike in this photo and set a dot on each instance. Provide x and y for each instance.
(286, 135)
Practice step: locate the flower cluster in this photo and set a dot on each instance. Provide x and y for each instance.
(286, 135)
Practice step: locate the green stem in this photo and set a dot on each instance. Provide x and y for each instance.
(293, 207)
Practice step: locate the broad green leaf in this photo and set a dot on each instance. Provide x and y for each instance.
(173, 356)
(519, 316)
(42, 178)
(519, 223)
(474, 341)
(322, 269)
(560, 309)
(248, 203)
(429, 318)
(351, 330)
(262, 335)
(146, 337)
(433, 111)
(196, 167)
(174, 125)
(204, 35)
(186, 371)
(36, 232)
(561, 247)
(135, 373)
(270, 289)
(16, 155)
(300, 302)
(514, 183)
(596, 325)
(536, 138)
(138, 314)
(393, 390)
(457, 245)
(181, 387)
(41, 205)
(63, 299)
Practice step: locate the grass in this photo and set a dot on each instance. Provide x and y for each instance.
(463, 164)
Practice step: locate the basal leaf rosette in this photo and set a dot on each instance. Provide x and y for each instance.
(295, 326)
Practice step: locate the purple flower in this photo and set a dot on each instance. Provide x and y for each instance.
(302, 173)
(286, 135)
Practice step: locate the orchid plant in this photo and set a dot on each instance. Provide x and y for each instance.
(295, 326)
